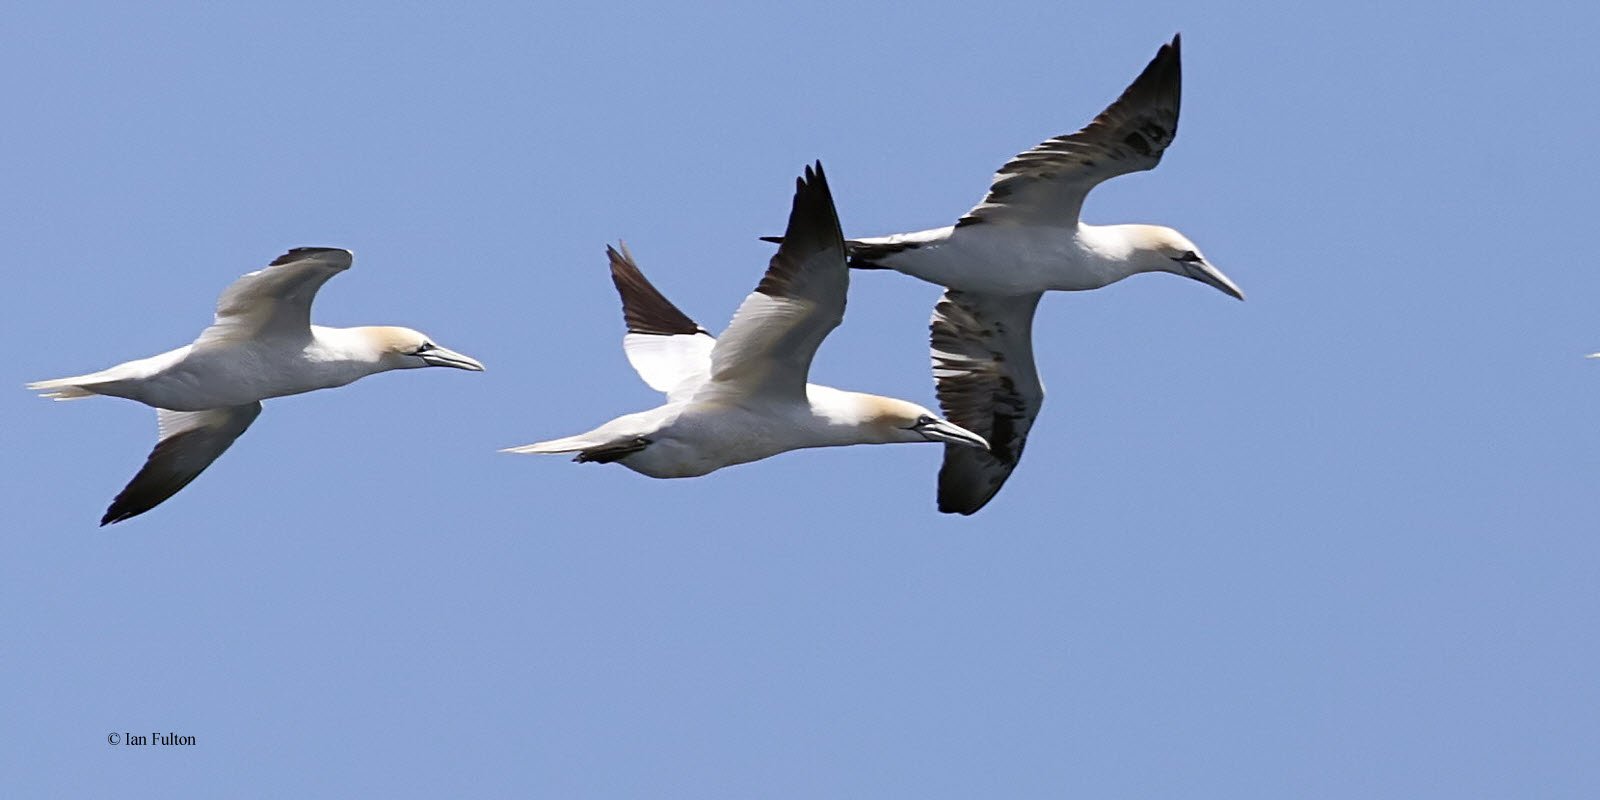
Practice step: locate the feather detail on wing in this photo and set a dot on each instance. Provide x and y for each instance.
(669, 350)
(986, 382)
(189, 441)
(768, 347)
(1047, 184)
(276, 300)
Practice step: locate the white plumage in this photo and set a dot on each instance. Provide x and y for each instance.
(744, 397)
(1023, 239)
(262, 344)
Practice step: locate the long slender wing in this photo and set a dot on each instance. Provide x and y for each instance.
(1046, 185)
(276, 301)
(768, 347)
(670, 351)
(189, 441)
(986, 381)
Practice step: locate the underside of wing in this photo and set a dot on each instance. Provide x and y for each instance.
(986, 382)
(670, 351)
(276, 300)
(776, 332)
(1047, 184)
(189, 442)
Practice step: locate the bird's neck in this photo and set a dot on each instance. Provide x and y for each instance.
(355, 347)
(1117, 251)
(845, 418)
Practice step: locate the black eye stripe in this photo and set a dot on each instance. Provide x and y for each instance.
(1188, 257)
(423, 348)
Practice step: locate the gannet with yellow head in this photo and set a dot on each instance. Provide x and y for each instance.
(262, 344)
(744, 397)
(1023, 239)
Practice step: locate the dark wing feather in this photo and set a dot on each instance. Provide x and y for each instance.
(190, 441)
(644, 308)
(276, 300)
(774, 335)
(803, 266)
(670, 351)
(1047, 184)
(986, 382)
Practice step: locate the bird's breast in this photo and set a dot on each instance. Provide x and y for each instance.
(707, 439)
(232, 375)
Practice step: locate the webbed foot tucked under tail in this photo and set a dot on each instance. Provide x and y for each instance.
(613, 451)
(588, 448)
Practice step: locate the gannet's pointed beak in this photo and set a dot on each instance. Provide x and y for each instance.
(444, 357)
(941, 430)
(1203, 272)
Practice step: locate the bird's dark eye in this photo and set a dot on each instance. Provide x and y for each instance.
(423, 348)
(1188, 257)
(923, 421)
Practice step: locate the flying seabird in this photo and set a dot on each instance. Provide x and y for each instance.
(261, 345)
(1022, 240)
(744, 397)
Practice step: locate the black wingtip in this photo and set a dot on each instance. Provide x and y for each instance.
(965, 512)
(813, 227)
(124, 506)
(814, 182)
(644, 308)
(814, 172)
(132, 502)
(120, 511)
(299, 253)
(1162, 76)
(622, 263)
(956, 496)
(1170, 54)
(957, 499)
(773, 239)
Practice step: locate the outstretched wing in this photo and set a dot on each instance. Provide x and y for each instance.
(1046, 185)
(276, 301)
(986, 382)
(670, 351)
(189, 442)
(768, 347)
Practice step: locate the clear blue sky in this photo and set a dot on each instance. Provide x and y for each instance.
(1336, 541)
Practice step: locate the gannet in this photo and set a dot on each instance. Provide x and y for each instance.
(744, 397)
(1022, 240)
(261, 345)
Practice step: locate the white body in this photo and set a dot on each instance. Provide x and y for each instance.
(689, 439)
(236, 372)
(1013, 259)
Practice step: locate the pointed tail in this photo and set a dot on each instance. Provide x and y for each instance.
(62, 388)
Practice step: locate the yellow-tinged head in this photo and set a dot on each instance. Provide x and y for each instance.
(894, 420)
(1156, 248)
(404, 348)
